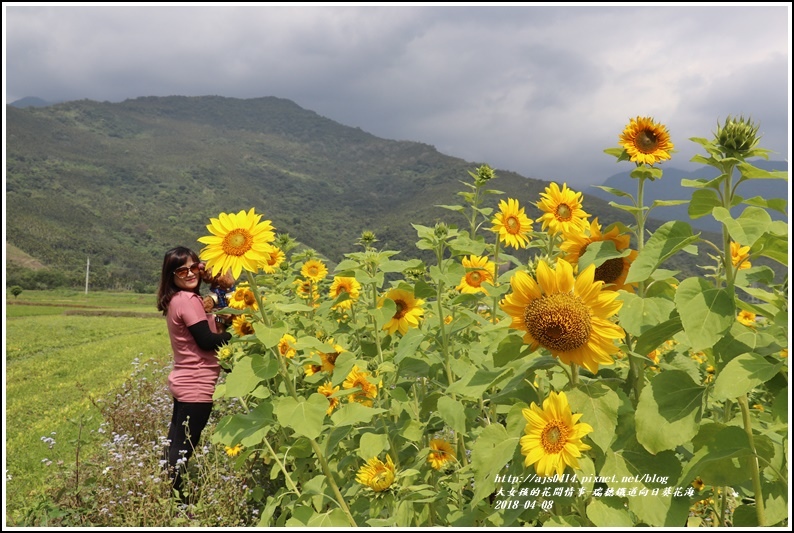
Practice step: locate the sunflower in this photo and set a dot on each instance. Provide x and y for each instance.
(478, 271)
(327, 389)
(238, 242)
(512, 224)
(233, 451)
(359, 379)
(314, 269)
(285, 346)
(376, 474)
(343, 285)
(272, 262)
(243, 298)
(646, 141)
(613, 271)
(568, 316)
(409, 311)
(441, 454)
(553, 438)
(747, 318)
(306, 289)
(562, 210)
(225, 352)
(242, 326)
(740, 256)
(328, 358)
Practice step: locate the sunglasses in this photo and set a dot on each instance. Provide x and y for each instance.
(181, 272)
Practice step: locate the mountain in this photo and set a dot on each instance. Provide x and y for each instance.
(30, 101)
(120, 183)
(669, 188)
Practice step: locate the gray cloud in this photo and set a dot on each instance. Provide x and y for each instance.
(537, 90)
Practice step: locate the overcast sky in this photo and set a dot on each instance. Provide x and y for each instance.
(541, 91)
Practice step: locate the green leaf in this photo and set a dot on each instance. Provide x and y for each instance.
(395, 265)
(635, 468)
(423, 290)
(695, 184)
(717, 448)
(264, 366)
(599, 407)
(371, 444)
(616, 192)
(664, 203)
(352, 413)
(464, 245)
(655, 336)
(247, 429)
(476, 382)
(669, 411)
(270, 337)
(750, 172)
(639, 315)
(491, 452)
(304, 417)
(703, 202)
(643, 172)
(458, 208)
(408, 344)
(452, 413)
(335, 518)
(742, 374)
(774, 247)
(706, 312)
(600, 251)
(778, 204)
(670, 238)
(385, 312)
(509, 349)
(608, 513)
(748, 228)
(243, 380)
(293, 308)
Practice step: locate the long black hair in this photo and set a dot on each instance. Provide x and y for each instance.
(174, 258)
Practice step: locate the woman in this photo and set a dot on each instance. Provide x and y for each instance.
(194, 341)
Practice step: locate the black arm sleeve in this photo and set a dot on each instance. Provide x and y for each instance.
(206, 339)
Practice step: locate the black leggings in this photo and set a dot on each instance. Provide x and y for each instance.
(187, 423)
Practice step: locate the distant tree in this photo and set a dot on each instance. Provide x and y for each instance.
(16, 290)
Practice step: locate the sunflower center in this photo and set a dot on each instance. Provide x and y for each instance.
(558, 322)
(474, 278)
(564, 212)
(313, 271)
(647, 142)
(609, 271)
(402, 308)
(554, 436)
(513, 225)
(237, 242)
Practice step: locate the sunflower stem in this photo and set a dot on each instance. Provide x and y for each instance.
(727, 199)
(375, 326)
(287, 477)
(754, 470)
(574, 375)
(640, 218)
(495, 281)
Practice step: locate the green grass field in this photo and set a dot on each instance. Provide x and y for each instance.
(55, 361)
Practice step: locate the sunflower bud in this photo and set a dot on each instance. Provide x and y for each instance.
(737, 136)
(484, 173)
(441, 230)
(367, 239)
